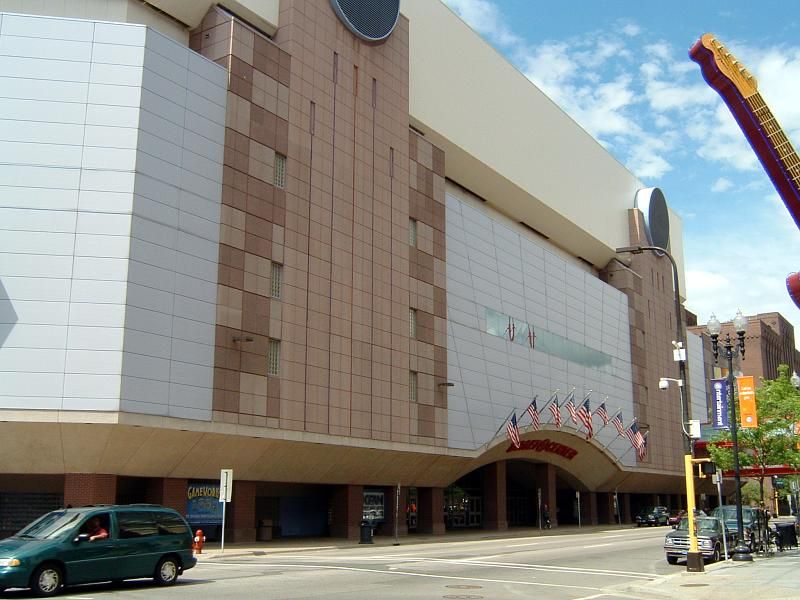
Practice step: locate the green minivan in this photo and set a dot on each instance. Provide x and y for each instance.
(97, 543)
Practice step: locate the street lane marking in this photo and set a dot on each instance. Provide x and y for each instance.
(430, 576)
(470, 562)
(598, 545)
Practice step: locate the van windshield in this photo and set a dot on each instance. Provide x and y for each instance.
(51, 525)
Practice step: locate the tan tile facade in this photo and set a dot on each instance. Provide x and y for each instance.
(651, 304)
(337, 109)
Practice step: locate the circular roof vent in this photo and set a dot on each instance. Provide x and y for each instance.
(370, 20)
(653, 205)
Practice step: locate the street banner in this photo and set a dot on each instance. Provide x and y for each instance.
(747, 400)
(719, 399)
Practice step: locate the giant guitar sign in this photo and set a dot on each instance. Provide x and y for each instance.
(739, 90)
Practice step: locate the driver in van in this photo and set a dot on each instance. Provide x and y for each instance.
(95, 529)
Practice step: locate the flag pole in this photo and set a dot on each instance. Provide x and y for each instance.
(619, 410)
(513, 410)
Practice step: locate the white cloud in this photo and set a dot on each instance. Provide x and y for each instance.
(722, 185)
(485, 18)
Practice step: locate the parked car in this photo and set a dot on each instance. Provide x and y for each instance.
(652, 515)
(710, 543)
(754, 522)
(676, 516)
(97, 543)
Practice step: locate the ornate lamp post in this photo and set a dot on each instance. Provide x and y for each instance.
(741, 551)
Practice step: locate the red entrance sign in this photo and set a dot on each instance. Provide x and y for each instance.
(545, 446)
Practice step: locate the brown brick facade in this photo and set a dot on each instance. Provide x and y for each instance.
(81, 489)
(339, 226)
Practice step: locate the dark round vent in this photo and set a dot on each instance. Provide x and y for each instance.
(653, 205)
(371, 20)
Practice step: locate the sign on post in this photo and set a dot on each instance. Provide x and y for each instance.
(225, 485)
(225, 495)
(747, 400)
(720, 403)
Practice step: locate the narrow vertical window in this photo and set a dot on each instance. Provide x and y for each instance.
(374, 92)
(412, 386)
(277, 280)
(274, 364)
(412, 232)
(412, 322)
(279, 178)
(391, 161)
(312, 116)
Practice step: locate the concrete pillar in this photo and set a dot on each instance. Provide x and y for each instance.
(81, 489)
(546, 481)
(347, 510)
(170, 492)
(605, 508)
(241, 513)
(625, 500)
(494, 496)
(430, 510)
(589, 508)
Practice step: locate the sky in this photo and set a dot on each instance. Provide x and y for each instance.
(621, 70)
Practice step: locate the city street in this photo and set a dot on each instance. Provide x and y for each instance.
(591, 565)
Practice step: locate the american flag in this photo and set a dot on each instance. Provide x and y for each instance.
(570, 403)
(617, 421)
(585, 414)
(513, 430)
(641, 451)
(533, 411)
(556, 411)
(633, 434)
(602, 413)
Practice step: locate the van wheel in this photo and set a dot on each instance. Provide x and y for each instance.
(167, 571)
(46, 580)
(716, 556)
(673, 560)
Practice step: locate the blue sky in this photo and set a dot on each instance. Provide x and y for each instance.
(621, 70)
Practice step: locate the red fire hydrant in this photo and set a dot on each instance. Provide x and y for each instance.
(199, 540)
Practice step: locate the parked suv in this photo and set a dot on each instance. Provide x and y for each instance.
(652, 515)
(754, 522)
(97, 543)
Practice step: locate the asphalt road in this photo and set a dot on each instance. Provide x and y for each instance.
(568, 567)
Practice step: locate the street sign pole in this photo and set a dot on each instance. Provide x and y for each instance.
(225, 495)
(578, 500)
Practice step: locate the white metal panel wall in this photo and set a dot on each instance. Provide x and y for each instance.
(78, 207)
(493, 263)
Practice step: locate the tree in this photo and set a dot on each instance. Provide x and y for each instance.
(774, 441)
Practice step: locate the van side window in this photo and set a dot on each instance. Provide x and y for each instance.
(135, 524)
(169, 524)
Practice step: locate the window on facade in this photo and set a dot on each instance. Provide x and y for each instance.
(280, 171)
(274, 359)
(412, 232)
(412, 322)
(277, 280)
(412, 386)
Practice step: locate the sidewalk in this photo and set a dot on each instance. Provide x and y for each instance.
(768, 578)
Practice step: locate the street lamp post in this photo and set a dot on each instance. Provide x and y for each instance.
(741, 552)
(694, 559)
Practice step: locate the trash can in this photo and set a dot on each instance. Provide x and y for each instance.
(366, 533)
(787, 534)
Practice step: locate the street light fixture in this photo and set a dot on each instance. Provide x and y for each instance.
(741, 552)
(694, 559)
(795, 380)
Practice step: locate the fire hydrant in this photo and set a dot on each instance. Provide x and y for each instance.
(199, 540)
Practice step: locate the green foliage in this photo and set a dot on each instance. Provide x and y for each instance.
(751, 493)
(774, 441)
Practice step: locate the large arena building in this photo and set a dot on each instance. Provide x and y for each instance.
(330, 245)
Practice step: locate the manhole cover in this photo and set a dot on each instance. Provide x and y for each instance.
(694, 585)
(463, 597)
(464, 587)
